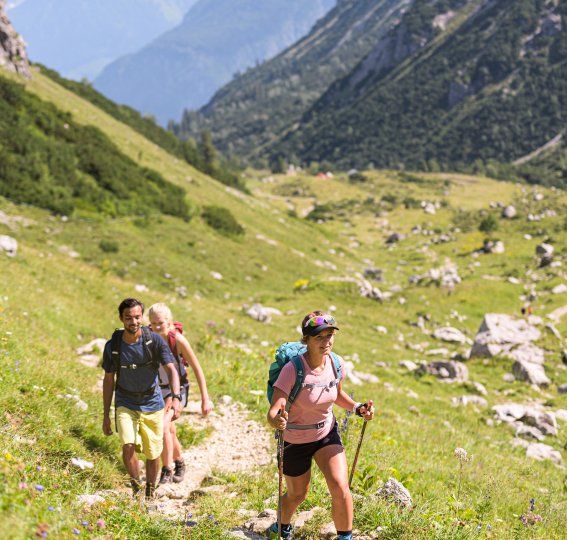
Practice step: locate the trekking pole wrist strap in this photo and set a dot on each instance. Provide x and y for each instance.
(357, 409)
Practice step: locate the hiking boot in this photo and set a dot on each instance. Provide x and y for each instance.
(272, 531)
(179, 472)
(150, 491)
(136, 484)
(166, 476)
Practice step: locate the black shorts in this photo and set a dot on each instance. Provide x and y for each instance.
(297, 457)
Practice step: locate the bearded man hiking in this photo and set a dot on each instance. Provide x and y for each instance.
(131, 360)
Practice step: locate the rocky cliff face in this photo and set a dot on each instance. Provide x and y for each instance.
(13, 55)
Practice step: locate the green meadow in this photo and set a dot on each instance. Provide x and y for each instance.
(70, 273)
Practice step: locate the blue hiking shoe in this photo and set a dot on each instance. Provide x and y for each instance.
(272, 531)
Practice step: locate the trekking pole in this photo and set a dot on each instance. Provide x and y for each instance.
(356, 455)
(280, 471)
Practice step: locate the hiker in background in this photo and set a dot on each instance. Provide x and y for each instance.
(310, 428)
(161, 321)
(133, 357)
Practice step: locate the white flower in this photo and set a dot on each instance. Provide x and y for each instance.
(461, 455)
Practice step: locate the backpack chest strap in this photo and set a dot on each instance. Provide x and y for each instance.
(327, 386)
(136, 366)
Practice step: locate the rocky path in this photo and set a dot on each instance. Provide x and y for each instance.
(236, 444)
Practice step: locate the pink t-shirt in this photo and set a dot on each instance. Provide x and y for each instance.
(312, 405)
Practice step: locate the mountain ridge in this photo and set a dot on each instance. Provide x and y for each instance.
(183, 67)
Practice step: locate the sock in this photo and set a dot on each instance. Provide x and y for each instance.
(286, 529)
(345, 535)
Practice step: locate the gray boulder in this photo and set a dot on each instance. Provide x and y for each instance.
(542, 451)
(448, 371)
(509, 212)
(544, 249)
(529, 372)
(8, 245)
(499, 333)
(451, 335)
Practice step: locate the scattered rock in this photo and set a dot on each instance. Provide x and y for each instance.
(90, 500)
(559, 289)
(8, 245)
(530, 372)
(544, 249)
(377, 274)
(408, 364)
(395, 492)
(466, 400)
(448, 371)
(542, 451)
(529, 432)
(499, 333)
(262, 314)
(562, 388)
(451, 335)
(509, 212)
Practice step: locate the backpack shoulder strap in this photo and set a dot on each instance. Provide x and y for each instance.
(337, 366)
(115, 350)
(150, 346)
(299, 378)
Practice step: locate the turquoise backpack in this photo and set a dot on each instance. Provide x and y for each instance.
(291, 351)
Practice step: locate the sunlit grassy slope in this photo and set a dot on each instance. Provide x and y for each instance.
(52, 302)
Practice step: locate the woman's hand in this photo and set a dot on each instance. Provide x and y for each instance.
(280, 421)
(366, 411)
(206, 406)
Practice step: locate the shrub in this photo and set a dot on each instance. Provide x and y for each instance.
(109, 246)
(357, 177)
(489, 224)
(222, 220)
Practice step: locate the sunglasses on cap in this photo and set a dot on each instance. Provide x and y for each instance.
(319, 320)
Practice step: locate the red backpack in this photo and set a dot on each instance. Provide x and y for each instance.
(172, 342)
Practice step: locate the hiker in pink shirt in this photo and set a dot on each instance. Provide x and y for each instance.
(310, 428)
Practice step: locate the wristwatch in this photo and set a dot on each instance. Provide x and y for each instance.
(177, 396)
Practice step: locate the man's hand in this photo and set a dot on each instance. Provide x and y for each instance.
(106, 426)
(176, 406)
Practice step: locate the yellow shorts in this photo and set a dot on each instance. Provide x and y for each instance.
(135, 425)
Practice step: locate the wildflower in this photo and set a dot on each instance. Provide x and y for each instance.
(38, 468)
(76, 531)
(23, 485)
(84, 522)
(39, 487)
(210, 517)
(462, 455)
(8, 456)
(101, 524)
(190, 514)
(50, 508)
(488, 528)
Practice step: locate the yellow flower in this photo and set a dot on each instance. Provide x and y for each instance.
(8, 456)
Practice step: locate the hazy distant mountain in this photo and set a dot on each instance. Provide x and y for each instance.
(217, 38)
(79, 37)
(257, 106)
